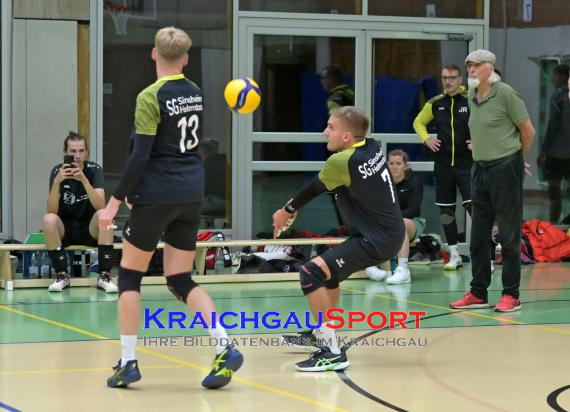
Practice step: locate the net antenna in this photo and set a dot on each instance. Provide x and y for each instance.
(120, 14)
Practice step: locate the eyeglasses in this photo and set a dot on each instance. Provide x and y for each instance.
(446, 78)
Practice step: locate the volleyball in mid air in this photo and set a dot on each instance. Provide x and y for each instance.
(242, 95)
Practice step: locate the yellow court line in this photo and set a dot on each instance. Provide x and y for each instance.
(75, 370)
(177, 360)
(467, 312)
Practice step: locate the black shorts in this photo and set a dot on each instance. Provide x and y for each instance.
(447, 179)
(352, 255)
(556, 169)
(77, 233)
(178, 223)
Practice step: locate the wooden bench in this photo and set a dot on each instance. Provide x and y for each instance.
(200, 262)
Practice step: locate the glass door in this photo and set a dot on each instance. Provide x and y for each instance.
(299, 65)
(281, 146)
(404, 70)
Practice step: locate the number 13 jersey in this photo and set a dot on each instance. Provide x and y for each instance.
(170, 110)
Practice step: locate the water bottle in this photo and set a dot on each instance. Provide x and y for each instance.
(393, 264)
(35, 266)
(94, 261)
(45, 265)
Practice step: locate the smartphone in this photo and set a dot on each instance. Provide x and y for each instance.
(67, 160)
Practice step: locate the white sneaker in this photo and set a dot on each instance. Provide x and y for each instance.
(455, 262)
(377, 274)
(104, 283)
(401, 275)
(61, 282)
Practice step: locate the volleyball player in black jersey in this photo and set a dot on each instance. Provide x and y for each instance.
(164, 181)
(358, 175)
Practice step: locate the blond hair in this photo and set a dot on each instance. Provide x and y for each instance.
(355, 121)
(172, 43)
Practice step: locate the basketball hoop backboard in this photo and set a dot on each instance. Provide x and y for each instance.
(123, 10)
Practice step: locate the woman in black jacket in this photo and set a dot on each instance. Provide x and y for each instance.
(409, 189)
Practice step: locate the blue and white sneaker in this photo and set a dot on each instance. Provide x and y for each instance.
(124, 375)
(324, 360)
(224, 366)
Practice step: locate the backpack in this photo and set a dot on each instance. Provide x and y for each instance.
(212, 252)
(548, 242)
(428, 247)
(253, 263)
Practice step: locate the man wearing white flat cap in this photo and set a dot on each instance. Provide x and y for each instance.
(501, 134)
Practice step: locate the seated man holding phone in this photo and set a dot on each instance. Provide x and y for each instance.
(76, 196)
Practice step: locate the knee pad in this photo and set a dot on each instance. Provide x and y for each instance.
(312, 277)
(447, 215)
(180, 285)
(129, 280)
(331, 284)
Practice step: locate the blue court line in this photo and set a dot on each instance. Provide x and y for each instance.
(8, 407)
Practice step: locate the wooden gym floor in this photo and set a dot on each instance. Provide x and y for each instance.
(57, 350)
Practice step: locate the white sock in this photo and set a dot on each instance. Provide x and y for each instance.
(219, 333)
(128, 348)
(403, 262)
(328, 335)
(453, 250)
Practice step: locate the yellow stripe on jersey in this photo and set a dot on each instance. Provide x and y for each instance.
(335, 173)
(147, 112)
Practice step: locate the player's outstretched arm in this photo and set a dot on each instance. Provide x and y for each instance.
(283, 218)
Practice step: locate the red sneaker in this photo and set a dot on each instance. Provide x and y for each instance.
(508, 304)
(469, 301)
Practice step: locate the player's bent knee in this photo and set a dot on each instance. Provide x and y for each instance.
(181, 285)
(331, 284)
(312, 277)
(129, 280)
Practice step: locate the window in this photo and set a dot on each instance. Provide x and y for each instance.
(461, 9)
(303, 6)
(128, 68)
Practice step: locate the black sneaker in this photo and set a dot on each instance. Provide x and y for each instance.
(225, 364)
(324, 360)
(305, 340)
(124, 375)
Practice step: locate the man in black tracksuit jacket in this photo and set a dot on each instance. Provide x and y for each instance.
(449, 112)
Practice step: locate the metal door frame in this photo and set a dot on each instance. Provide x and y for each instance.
(364, 29)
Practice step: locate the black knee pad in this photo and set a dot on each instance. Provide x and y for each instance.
(446, 215)
(180, 285)
(467, 206)
(129, 280)
(312, 277)
(331, 283)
